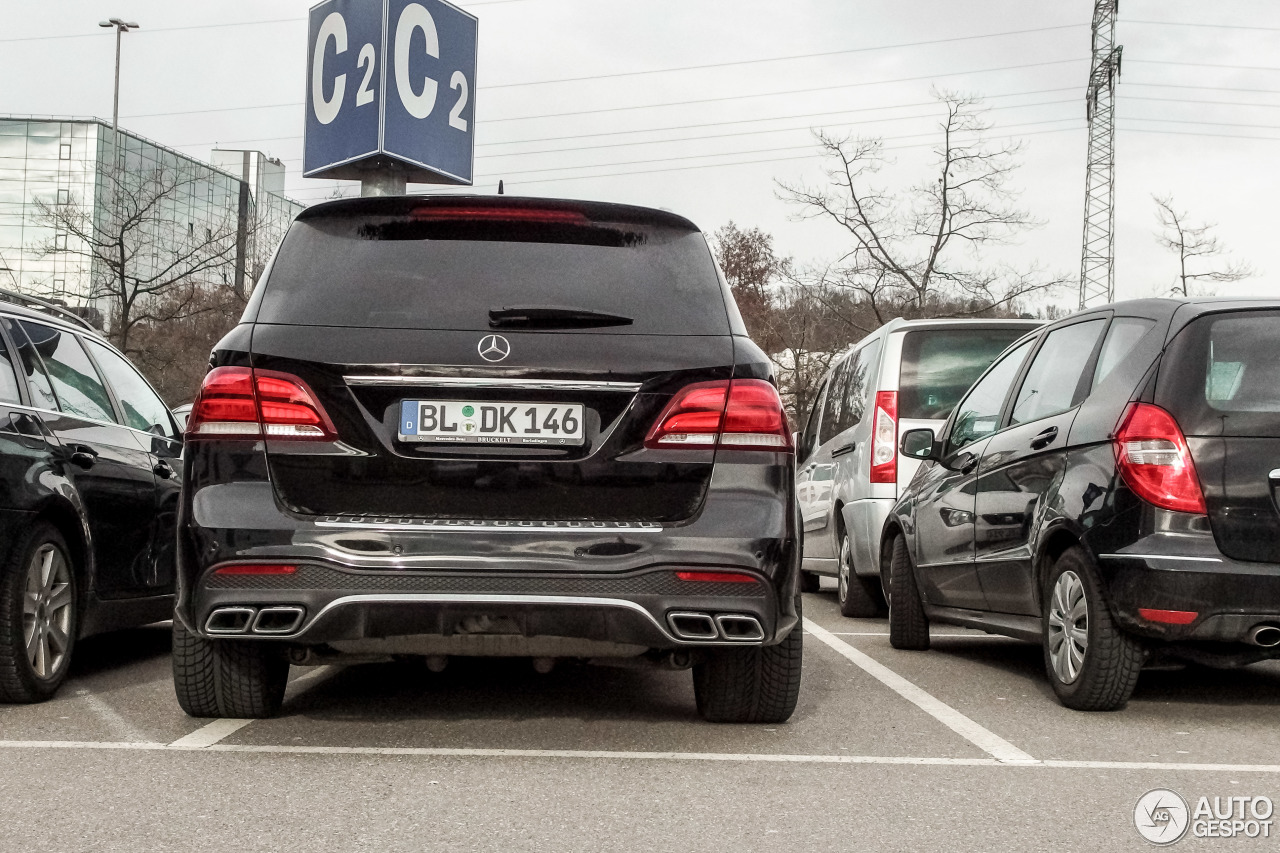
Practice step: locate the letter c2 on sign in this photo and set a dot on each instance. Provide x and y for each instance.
(334, 27)
(416, 17)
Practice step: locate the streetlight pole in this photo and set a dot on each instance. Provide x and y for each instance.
(121, 28)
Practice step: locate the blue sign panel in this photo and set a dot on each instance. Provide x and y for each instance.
(343, 80)
(431, 71)
(391, 85)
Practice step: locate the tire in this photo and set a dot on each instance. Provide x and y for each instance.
(1101, 675)
(244, 679)
(755, 685)
(908, 625)
(810, 582)
(39, 615)
(858, 596)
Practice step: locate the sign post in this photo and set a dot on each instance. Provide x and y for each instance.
(390, 94)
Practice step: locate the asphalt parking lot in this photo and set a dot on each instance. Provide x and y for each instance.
(959, 748)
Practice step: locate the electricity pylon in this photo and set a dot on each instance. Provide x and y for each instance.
(1097, 267)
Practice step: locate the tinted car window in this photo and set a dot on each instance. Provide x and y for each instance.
(939, 365)
(837, 400)
(979, 414)
(32, 365)
(8, 377)
(859, 384)
(1053, 380)
(809, 440)
(76, 384)
(142, 408)
(413, 271)
(1221, 376)
(1122, 337)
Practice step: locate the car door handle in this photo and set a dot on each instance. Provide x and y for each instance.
(83, 455)
(841, 451)
(1045, 438)
(162, 470)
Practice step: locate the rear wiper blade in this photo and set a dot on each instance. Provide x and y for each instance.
(552, 317)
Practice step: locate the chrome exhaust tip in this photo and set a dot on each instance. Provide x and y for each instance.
(693, 626)
(740, 628)
(229, 620)
(284, 619)
(1267, 636)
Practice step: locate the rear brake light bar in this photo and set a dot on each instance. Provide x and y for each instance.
(1168, 617)
(500, 214)
(884, 438)
(739, 414)
(1154, 460)
(242, 402)
(256, 569)
(717, 577)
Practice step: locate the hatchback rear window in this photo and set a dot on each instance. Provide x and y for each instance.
(939, 365)
(1221, 376)
(437, 268)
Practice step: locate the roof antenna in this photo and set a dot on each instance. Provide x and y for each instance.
(500, 188)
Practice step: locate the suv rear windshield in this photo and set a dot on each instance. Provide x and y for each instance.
(428, 269)
(1221, 376)
(939, 365)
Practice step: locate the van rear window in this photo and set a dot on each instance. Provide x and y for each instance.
(939, 365)
(1221, 376)
(417, 271)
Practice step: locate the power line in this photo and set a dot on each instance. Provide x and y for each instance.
(1204, 65)
(1205, 26)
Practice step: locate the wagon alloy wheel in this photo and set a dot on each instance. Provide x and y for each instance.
(856, 596)
(46, 612)
(1068, 627)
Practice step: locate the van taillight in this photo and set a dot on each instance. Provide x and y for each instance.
(240, 402)
(742, 414)
(884, 438)
(1154, 459)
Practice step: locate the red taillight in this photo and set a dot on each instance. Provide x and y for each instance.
(743, 414)
(239, 402)
(256, 569)
(1168, 617)
(717, 577)
(884, 438)
(500, 214)
(1154, 460)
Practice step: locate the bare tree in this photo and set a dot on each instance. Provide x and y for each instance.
(753, 271)
(915, 251)
(1193, 244)
(143, 266)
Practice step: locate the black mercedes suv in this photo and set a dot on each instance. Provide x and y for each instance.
(1110, 488)
(489, 426)
(89, 471)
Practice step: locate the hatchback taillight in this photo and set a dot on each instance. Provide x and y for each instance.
(884, 438)
(1154, 460)
(742, 414)
(240, 402)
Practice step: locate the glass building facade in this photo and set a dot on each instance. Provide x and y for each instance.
(68, 185)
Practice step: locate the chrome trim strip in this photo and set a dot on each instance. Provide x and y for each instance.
(454, 598)
(485, 382)
(1159, 557)
(468, 526)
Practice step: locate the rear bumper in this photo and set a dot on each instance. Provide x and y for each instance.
(1229, 597)
(341, 604)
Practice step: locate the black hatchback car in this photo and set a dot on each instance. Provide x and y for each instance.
(489, 426)
(1109, 488)
(89, 469)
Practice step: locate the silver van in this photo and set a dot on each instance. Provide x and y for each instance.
(905, 375)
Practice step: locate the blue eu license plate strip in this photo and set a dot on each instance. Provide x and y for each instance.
(463, 422)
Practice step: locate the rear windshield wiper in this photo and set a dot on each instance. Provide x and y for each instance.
(552, 317)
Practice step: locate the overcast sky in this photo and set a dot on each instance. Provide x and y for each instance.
(1199, 102)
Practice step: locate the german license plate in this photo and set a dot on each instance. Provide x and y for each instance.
(461, 422)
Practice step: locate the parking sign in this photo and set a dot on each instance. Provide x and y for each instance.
(391, 83)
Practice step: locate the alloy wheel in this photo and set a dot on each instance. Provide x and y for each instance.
(47, 608)
(842, 575)
(1068, 627)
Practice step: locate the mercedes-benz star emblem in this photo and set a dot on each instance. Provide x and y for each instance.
(494, 348)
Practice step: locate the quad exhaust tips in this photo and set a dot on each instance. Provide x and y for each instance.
(266, 621)
(1267, 636)
(734, 627)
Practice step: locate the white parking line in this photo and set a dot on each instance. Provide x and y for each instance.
(932, 635)
(615, 755)
(210, 733)
(985, 739)
(117, 724)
